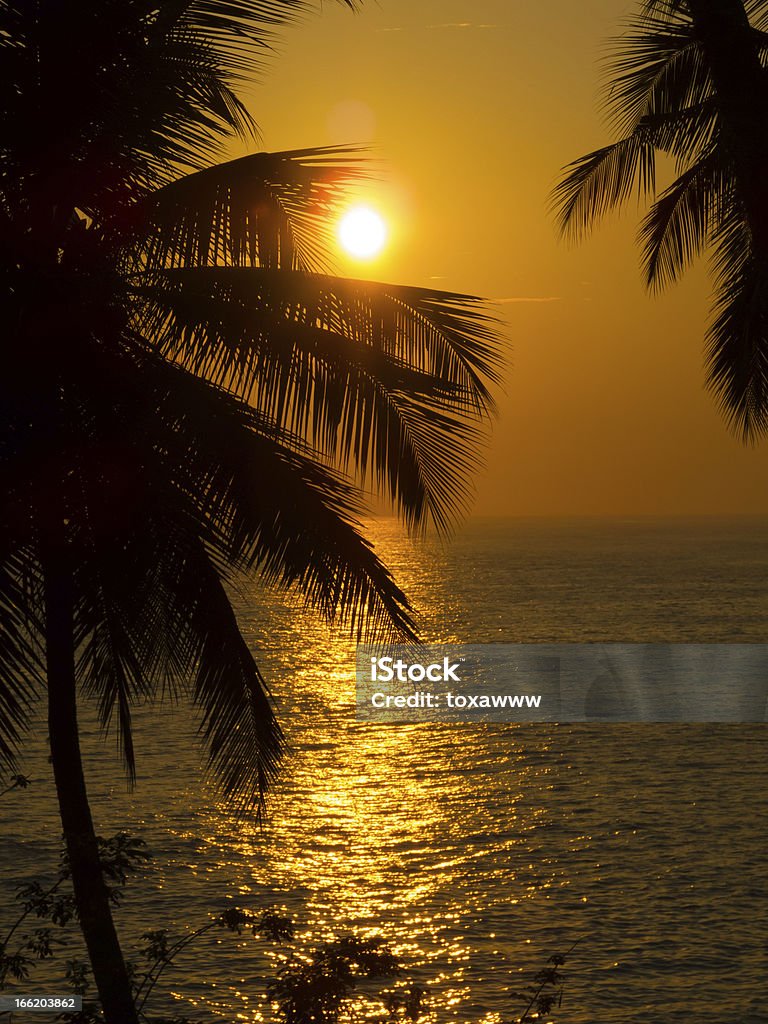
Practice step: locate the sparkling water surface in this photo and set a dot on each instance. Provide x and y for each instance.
(477, 851)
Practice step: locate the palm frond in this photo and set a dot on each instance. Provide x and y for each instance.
(737, 340)
(239, 727)
(239, 31)
(757, 10)
(688, 133)
(671, 9)
(130, 96)
(265, 503)
(682, 219)
(657, 68)
(604, 179)
(258, 494)
(737, 354)
(22, 678)
(270, 209)
(154, 607)
(151, 611)
(391, 379)
(114, 657)
(119, 109)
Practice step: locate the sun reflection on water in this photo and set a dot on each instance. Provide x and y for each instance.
(402, 831)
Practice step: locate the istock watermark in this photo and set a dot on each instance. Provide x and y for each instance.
(386, 669)
(563, 683)
(490, 682)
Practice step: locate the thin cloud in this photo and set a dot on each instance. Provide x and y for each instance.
(462, 24)
(525, 298)
(445, 24)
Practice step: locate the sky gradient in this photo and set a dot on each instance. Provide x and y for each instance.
(473, 107)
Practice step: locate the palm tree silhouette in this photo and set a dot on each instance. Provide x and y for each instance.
(688, 80)
(187, 394)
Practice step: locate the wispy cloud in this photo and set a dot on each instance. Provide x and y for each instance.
(462, 24)
(445, 24)
(525, 298)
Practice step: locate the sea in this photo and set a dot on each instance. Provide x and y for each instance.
(475, 852)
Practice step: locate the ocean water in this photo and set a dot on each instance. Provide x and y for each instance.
(476, 851)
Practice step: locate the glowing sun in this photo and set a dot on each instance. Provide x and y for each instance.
(362, 232)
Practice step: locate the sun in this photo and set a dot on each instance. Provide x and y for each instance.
(362, 232)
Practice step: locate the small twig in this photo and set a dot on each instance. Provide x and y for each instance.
(547, 980)
(25, 914)
(160, 965)
(19, 782)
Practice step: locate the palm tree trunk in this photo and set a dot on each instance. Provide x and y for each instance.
(90, 889)
(741, 86)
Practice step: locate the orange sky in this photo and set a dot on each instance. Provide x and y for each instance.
(474, 105)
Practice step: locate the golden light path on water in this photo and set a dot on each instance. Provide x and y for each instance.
(380, 828)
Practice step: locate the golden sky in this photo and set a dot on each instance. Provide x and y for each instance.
(473, 106)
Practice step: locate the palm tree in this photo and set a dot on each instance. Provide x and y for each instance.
(689, 80)
(187, 394)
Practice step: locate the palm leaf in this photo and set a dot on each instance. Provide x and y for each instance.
(682, 219)
(393, 380)
(238, 29)
(757, 10)
(159, 437)
(737, 340)
(737, 354)
(658, 67)
(115, 655)
(244, 741)
(149, 92)
(270, 209)
(604, 179)
(154, 607)
(267, 504)
(22, 678)
(663, 8)
(118, 118)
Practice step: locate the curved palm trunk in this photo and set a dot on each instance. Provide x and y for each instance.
(88, 883)
(741, 84)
